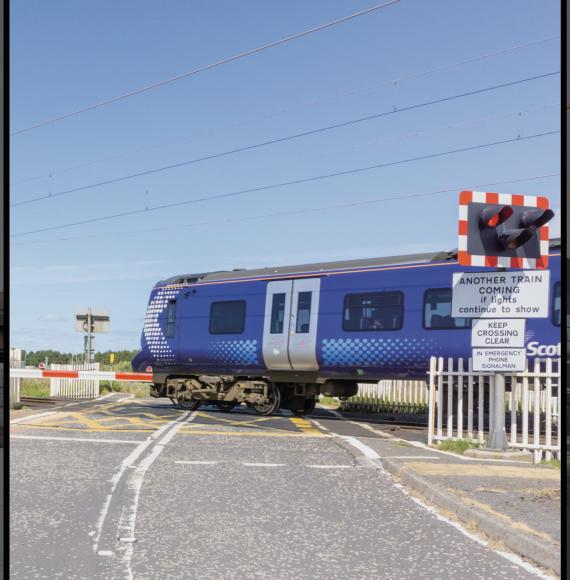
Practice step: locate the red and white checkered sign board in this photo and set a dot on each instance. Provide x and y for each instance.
(467, 259)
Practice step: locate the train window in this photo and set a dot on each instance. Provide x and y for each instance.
(170, 318)
(277, 314)
(227, 317)
(303, 312)
(373, 311)
(556, 305)
(437, 311)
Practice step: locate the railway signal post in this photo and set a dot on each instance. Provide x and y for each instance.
(502, 231)
(90, 322)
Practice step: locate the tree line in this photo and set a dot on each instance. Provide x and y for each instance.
(121, 358)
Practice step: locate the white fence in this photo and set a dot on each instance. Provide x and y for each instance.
(465, 399)
(74, 388)
(14, 383)
(389, 396)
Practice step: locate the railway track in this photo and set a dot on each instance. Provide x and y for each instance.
(47, 401)
(38, 401)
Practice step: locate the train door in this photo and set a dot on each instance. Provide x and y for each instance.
(290, 325)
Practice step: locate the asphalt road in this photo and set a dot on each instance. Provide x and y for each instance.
(139, 489)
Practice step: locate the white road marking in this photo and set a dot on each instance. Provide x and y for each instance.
(197, 462)
(104, 397)
(30, 417)
(367, 451)
(508, 556)
(330, 466)
(264, 464)
(127, 521)
(122, 399)
(418, 444)
(320, 426)
(126, 463)
(105, 553)
(410, 457)
(85, 440)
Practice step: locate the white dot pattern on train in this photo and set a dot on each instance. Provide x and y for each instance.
(152, 331)
(241, 352)
(376, 351)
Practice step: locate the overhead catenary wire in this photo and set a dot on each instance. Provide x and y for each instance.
(173, 227)
(205, 67)
(515, 113)
(430, 130)
(288, 183)
(280, 140)
(295, 107)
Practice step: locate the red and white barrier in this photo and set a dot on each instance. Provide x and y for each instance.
(95, 375)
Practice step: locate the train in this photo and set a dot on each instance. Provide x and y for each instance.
(279, 337)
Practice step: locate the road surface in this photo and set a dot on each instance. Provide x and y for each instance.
(139, 489)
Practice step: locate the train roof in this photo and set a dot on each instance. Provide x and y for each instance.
(242, 273)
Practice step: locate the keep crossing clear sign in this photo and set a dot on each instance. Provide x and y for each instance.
(520, 294)
(498, 332)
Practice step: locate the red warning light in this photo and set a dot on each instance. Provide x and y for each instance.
(491, 217)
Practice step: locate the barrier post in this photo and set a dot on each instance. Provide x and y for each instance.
(432, 369)
(498, 436)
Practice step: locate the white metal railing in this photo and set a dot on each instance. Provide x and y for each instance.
(74, 388)
(14, 392)
(14, 383)
(457, 394)
(389, 396)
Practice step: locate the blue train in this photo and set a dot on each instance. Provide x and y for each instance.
(279, 337)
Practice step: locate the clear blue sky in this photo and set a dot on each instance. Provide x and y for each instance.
(68, 54)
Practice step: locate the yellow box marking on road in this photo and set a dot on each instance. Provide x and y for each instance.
(306, 426)
(89, 422)
(233, 421)
(83, 429)
(250, 423)
(470, 470)
(190, 431)
(114, 417)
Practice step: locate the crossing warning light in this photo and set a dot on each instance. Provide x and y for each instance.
(500, 229)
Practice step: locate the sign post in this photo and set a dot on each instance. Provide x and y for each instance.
(90, 322)
(501, 230)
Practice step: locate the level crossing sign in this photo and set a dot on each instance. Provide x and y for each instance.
(503, 229)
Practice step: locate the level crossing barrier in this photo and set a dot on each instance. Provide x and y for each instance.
(461, 405)
(83, 377)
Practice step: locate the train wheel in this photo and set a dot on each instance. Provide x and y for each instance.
(272, 405)
(187, 403)
(225, 406)
(307, 409)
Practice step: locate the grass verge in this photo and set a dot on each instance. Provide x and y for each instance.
(34, 388)
(552, 463)
(459, 446)
(329, 402)
(139, 390)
